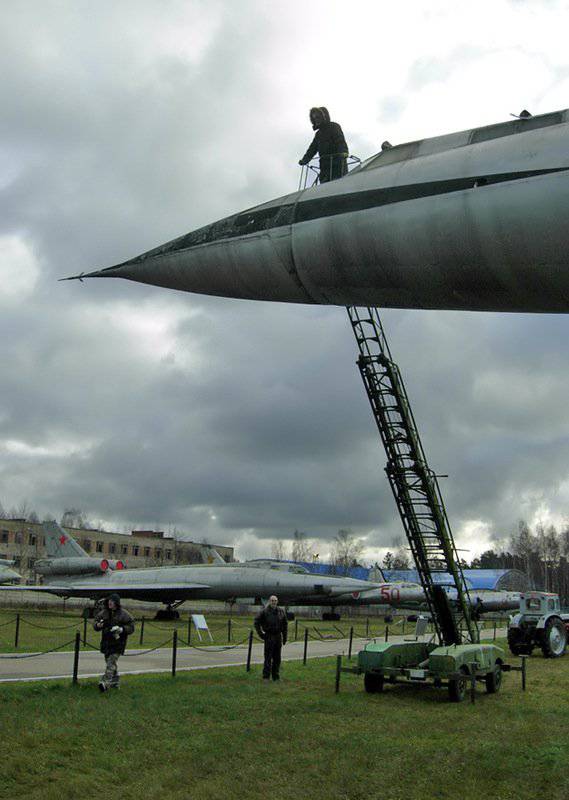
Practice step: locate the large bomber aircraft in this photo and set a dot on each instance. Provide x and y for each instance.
(8, 575)
(68, 571)
(473, 220)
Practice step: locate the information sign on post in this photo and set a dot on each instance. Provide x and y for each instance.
(201, 625)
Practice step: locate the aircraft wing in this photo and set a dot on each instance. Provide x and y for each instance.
(150, 591)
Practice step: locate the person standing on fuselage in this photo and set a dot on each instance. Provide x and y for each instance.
(330, 144)
(272, 626)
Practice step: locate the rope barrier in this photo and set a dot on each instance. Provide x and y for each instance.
(213, 648)
(47, 627)
(10, 621)
(150, 649)
(45, 652)
(139, 652)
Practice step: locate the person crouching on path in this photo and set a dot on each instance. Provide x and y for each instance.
(115, 625)
(272, 626)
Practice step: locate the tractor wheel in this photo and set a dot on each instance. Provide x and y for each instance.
(494, 679)
(554, 639)
(457, 687)
(373, 682)
(519, 646)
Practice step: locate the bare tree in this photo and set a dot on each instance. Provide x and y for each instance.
(300, 547)
(346, 550)
(279, 550)
(75, 518)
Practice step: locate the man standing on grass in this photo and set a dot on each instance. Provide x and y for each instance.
(272, 626)
(116, 625)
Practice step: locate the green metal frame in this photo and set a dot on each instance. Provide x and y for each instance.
(413, 483)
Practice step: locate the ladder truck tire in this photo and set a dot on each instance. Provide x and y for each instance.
(494, 679)
(373, 683)
(457, 687)
(554, 640)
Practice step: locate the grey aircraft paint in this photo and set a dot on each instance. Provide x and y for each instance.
(8, 575)
(473, 220)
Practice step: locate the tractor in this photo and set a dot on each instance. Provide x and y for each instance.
(539, 623)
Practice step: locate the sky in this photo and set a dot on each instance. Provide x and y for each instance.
(125, 124)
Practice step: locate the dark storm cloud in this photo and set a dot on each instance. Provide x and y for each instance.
(147, 407)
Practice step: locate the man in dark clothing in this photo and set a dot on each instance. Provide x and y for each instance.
(116, 625)
(329, 143)
(272, 626)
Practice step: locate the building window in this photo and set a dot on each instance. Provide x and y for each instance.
(112, 548)
(4, 536)
(99, 547)
(4, 556)
(158, 553)
(31, 538)
(31, 562)
(18, 537)
(169, 555)
(135, 550)
(124, 549)
(87, 544)
(146, 552)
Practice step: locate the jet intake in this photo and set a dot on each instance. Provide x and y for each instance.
(76, 566)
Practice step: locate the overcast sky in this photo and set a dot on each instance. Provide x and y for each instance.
(125, 123)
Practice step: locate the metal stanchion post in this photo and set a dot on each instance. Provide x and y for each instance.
(305, 646)
(524, 662)
(141, 631)
(351, 640)
(295, 630)
(17, 633)
(85, 632)
(387, 633)
(189, 628)
(338, 672)
(249, 649)
(367, 627)
(473, 685)
(228, 631)
(174, 652)
(76, 656)
(494, 631)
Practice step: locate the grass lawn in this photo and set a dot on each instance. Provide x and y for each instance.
(227, 734)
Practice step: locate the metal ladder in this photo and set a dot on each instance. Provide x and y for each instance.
(413, 483)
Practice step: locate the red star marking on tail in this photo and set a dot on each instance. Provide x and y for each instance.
(62, 539)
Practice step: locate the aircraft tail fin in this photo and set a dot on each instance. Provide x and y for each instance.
(59, 544)
(211, 556)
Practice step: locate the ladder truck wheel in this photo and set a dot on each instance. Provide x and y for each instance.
(554, 641)
(457, 687)
(373, 682)
(494, 679)
(518, 644)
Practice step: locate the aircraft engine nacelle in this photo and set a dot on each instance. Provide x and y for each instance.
(76, 566)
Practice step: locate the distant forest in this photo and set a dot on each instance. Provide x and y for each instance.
(542, 553)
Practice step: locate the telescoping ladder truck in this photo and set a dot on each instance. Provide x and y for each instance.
(454, 657)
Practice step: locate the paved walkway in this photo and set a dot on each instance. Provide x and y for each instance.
(60, 665)
(53, 666)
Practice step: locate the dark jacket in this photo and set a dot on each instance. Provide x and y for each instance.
(105, 620)
(272, 622)
(328, 141)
